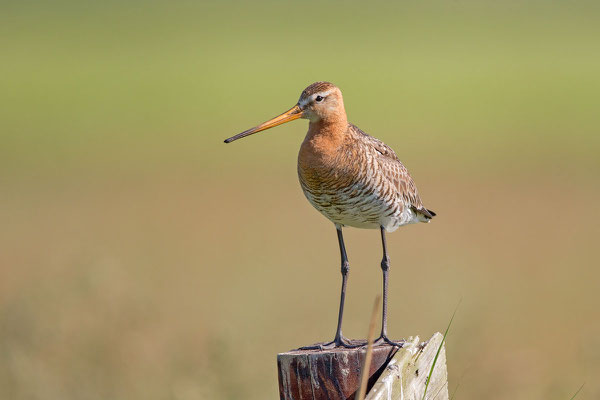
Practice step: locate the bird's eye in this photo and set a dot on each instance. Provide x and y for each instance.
(319, 98)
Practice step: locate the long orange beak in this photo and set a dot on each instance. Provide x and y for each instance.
(290, 115)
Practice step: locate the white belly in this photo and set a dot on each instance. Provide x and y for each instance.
(358, 207)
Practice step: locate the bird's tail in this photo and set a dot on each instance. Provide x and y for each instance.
(424, 214)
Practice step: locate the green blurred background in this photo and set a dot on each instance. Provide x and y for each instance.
(141, 258)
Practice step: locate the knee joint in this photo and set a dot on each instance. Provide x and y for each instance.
(385, 263)
(345, 267)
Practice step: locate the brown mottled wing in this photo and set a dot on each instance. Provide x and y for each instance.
(397, 173)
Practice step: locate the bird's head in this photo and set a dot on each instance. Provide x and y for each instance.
(321, 101)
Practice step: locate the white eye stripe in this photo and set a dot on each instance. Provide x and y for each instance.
(323, 94)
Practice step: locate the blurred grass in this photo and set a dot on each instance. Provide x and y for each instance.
(142, 258)
(114, 76)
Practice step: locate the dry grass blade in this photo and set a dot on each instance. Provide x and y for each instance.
(364, 376)
(454, 392)
(577, 392)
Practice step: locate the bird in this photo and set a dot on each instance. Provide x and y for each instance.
(353, 179)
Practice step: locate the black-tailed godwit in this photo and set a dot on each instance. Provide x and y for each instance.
(351, 178)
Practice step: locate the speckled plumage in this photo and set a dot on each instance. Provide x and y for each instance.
(361, 183)
(352, 178)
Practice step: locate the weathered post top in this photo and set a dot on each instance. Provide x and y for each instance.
(394, 373)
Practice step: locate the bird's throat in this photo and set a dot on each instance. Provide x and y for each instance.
(331, 129)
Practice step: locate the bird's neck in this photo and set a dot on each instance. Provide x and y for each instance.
(322, 145)
(331, 129)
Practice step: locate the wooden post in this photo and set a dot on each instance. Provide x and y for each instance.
(395, 373)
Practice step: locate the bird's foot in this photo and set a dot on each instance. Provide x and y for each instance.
(384, 340)
(340, 342)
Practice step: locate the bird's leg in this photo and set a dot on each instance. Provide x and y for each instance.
(339, 340)
(385, 267)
